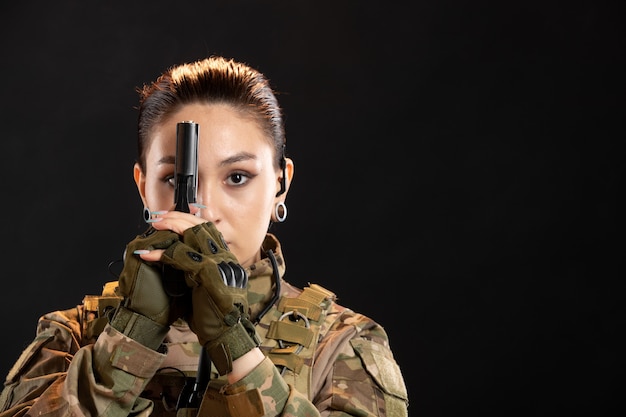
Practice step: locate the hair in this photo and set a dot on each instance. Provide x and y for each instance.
(213, 80)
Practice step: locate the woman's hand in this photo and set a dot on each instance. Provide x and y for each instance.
(218, 284)
(175, 221)
(147, 310)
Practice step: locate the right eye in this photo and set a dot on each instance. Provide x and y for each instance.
(170, 180)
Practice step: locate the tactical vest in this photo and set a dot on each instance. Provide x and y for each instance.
(290, 332)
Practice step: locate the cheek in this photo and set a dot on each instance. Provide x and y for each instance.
(265, 208)
(255, 214)
(159, 196)
(258, 202)
(252, 228)
(264, 213)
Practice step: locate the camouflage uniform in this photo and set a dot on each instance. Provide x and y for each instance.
(321, 359)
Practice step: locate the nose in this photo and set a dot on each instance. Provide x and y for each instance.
(209, 204)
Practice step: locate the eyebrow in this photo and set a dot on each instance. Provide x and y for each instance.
(170, 159)
(241, 156)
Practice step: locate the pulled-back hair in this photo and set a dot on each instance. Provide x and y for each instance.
(211, 80)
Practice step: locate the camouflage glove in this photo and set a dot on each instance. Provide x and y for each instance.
(145, 314)
(219, 295)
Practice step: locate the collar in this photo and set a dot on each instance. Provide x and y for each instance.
(261, 284)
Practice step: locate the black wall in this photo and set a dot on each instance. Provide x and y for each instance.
(458, 169)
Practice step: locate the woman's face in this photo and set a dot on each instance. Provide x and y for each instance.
(237, 180)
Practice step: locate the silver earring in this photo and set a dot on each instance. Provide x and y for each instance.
(280, 212)
(147, 215)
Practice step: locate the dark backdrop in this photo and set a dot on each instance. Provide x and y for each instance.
(458, 167)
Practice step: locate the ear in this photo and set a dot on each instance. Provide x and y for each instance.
(140, 181)
(289, 170)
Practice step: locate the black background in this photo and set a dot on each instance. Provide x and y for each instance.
(459, 166)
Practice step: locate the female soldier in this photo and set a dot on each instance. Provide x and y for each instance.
(237, 340)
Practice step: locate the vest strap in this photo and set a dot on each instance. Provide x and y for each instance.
(293, 330)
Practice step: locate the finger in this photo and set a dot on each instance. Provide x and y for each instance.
(177, 222)
(228, 274)
(150, 255)
(241, 278)
(195, 209)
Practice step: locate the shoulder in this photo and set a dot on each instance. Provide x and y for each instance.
(86, 320)
(362, 348)
(336, 317)
(342, 318)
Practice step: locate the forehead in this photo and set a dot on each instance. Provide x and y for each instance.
(222, 131)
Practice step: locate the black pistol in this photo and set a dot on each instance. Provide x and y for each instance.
(186, 175)
(185, 193)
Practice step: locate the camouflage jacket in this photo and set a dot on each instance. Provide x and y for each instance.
(321, 359)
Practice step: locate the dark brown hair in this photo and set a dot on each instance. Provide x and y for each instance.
(211, 80)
